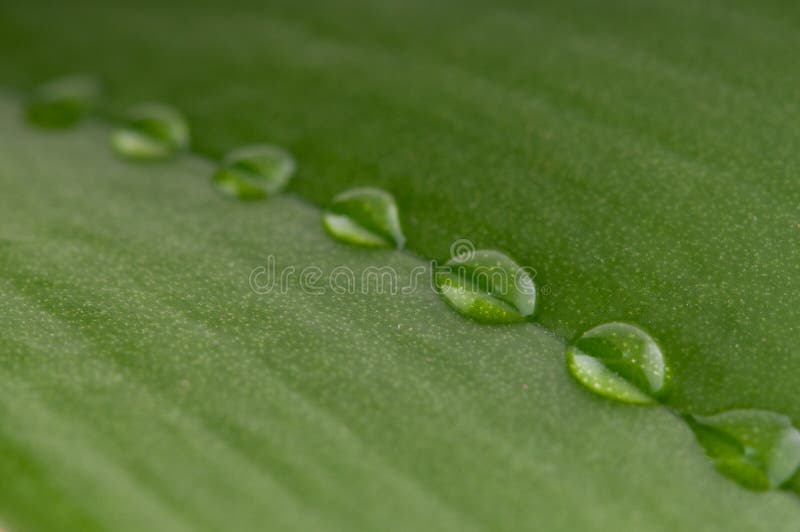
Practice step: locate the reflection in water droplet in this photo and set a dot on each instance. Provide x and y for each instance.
(151, 132)
(619, 361)
(366, 217)
(488, 286)
(254, 172)
(793, 484)
(63, 102)
(758, 449)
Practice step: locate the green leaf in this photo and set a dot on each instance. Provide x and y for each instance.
(640, 156)
(151, 381)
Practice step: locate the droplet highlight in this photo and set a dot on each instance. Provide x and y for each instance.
(619, 361)
(488, 286)
(63, 102)
(254, 172)
(151, 132)
(758, 449)
(366, 217)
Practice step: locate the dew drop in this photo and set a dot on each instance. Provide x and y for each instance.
(254, 172)
(619, 361)
(366, 217)
(758, 449)
(63, 102)
(488, 286)
(151, 132)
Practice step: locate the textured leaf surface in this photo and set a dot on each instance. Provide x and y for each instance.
(642, 156)
(145, 386)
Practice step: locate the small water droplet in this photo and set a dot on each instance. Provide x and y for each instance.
(366, 217)
(151, 132)
(487, 286)
(758, 449)
(254, 172)
(63, 102)
(619, 361)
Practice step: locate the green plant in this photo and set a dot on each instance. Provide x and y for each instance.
(627, 152)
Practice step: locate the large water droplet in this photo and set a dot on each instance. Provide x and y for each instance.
(151, 132)
(758, 449)
(365, 217)
(488, 286)
(254, 172)
(63, 102)
(619, 361)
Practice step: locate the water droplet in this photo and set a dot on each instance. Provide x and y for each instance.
(254, 172)
(793, 484)
(758, 449)
(63, 102)
(488, 286)
(365, 217)
(619, 361)
(151, 132)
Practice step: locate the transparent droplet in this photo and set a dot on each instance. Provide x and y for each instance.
(793, 484)
(365, 217)
(758, 449)
(151, 132)
(619, 361)
(63, 102)
(488, 286)
(254, 172)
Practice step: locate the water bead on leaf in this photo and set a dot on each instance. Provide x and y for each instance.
(254, 172)
(619, 361)
(63, 102)
(366, 217)
(151, 132)
(488, 286)
(758, 449)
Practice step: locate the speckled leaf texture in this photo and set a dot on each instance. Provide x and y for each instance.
(641, 156)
